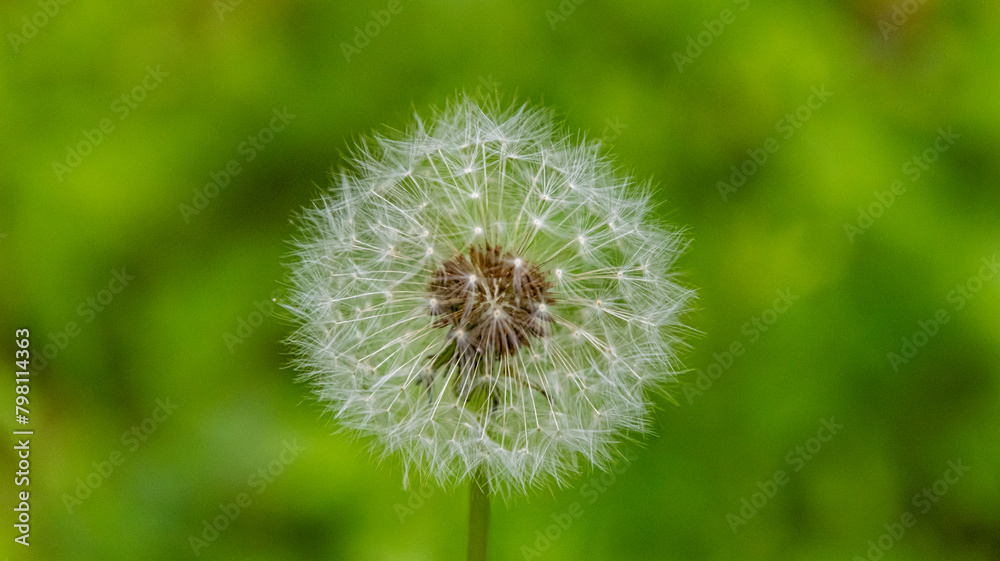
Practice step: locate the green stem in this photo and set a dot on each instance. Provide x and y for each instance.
(479, 517)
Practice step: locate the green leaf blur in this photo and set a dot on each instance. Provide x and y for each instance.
(836, 165)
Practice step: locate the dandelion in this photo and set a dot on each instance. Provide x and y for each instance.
(487, 299)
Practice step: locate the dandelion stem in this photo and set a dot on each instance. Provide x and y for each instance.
(479, 517)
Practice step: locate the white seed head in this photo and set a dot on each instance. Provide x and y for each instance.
(516, 353)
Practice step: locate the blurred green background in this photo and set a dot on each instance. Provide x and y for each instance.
(683, 92)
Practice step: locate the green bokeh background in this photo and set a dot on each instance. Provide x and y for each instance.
(608, 68)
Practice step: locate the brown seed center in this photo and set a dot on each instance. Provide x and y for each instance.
(494, 302)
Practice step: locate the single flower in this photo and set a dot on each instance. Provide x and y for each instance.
(486, 297)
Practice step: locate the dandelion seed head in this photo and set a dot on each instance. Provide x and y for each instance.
(523, 352)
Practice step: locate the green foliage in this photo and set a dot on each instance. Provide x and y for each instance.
(174, 141)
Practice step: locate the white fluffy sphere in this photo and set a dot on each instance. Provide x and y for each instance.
(483, 294)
